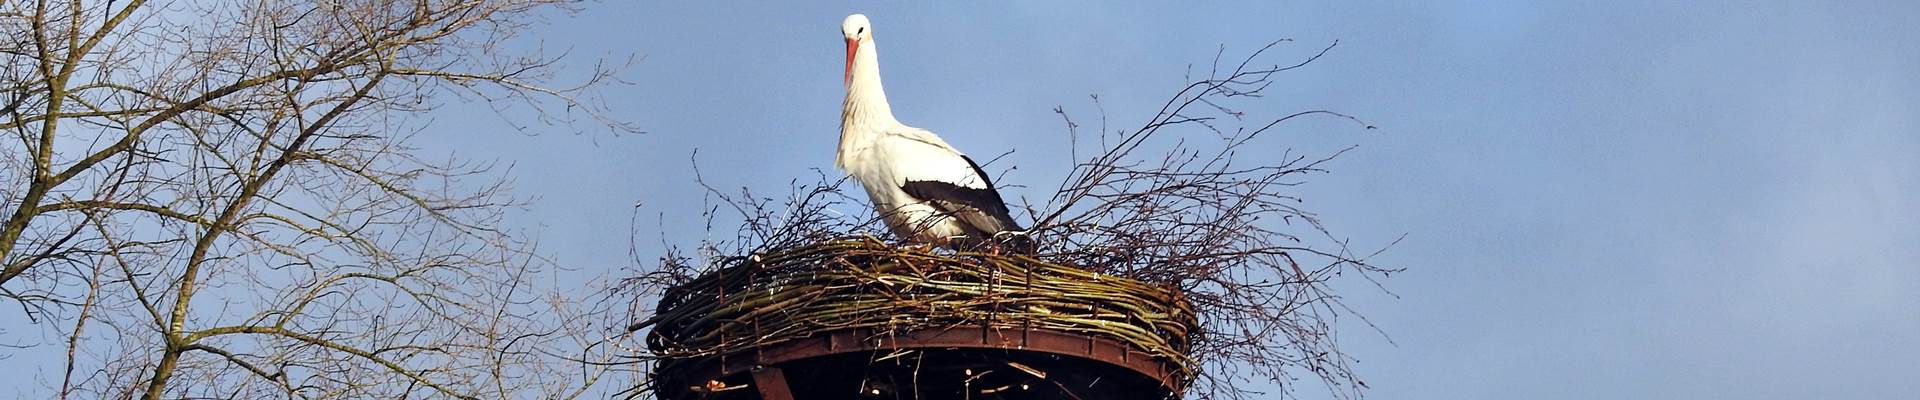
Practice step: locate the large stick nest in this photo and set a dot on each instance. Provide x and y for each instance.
(862, 283)
(1182, 237)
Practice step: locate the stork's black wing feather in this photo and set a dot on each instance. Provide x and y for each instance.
(982, 211)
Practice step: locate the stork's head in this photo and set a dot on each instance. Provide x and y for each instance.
(855, 30)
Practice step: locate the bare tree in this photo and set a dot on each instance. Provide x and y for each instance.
(218, 199)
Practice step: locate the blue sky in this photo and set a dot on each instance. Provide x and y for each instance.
(1601, 199)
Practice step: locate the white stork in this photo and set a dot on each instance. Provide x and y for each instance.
(923, 188)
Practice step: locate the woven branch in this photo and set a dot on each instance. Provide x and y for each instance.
(863, 283)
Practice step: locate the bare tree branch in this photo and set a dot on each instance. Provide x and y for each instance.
(209, 199)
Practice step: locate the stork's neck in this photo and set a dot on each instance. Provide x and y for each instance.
(865, 114)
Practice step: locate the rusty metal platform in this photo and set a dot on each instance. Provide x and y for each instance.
(970, 362)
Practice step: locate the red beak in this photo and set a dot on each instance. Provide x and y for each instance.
(853, 47)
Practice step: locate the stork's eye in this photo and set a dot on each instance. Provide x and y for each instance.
(860, 31)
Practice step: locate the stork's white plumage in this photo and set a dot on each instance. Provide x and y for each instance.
(923, 188)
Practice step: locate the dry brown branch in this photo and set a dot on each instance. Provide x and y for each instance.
(213, 199)
(1193, 198)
